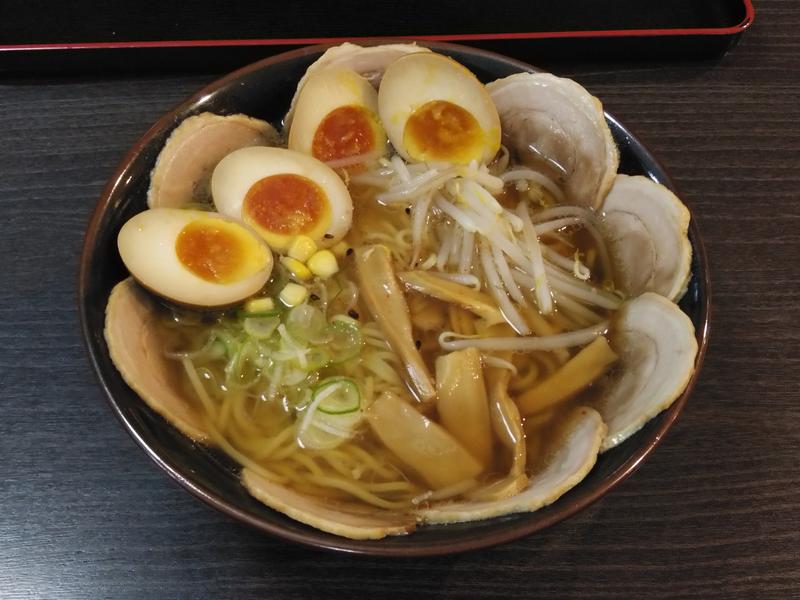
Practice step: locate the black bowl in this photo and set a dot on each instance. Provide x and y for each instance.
(264, 90)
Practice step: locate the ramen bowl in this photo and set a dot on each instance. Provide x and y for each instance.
(264, 90)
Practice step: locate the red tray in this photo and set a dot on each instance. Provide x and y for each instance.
(212, 35)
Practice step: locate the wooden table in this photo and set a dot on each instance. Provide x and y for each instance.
(712, 514)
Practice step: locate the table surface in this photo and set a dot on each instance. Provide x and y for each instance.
(713, 513)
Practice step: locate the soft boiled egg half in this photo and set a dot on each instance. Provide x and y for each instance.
(434, 109)
(194, 257)
(282, 194)
(336, 118)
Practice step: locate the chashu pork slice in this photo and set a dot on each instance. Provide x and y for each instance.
(556, 127)
(646, 228)
(657, 349)
(357, 522)
(183, 169)
(137, 352)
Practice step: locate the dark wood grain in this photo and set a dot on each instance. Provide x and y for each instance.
(714, 512)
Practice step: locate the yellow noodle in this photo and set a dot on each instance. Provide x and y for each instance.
(336, 463)
(375, 466)
(225, 412)
(263, 412)
(390, 486)
(381, 369)
(267, 447)
(358, 491)
(266, 414)
(243, 420)
(395, 484)
(291, 474)
(262, 447)
(241, 439)
(200, 391)
(245, 460)
(302, 486)
(343, 463)
(285, 452)
(250, 445)
(396, 239)
(307, 462)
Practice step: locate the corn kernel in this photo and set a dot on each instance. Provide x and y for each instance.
(301, 248)
(293, 294)
(296, 269)
(259, 305)
(323, 263)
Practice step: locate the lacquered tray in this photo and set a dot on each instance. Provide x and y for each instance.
(208, 34)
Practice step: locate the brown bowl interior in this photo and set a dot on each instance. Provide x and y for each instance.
(264, 90)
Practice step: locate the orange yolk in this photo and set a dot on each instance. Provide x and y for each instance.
(285, 204)
(441, 130)
(212, 250)
(344, 132)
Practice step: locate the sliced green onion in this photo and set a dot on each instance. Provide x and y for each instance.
(337, 396)
(339, 291)
(293, 377)
(332, 415)
(346, 339)
(317, 358)
(345, 319)
(261, 328)
(312, 436)
(217, 350)
(306, 323)
(242, 372)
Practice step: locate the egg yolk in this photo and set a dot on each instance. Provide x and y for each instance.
(217, 251)
(287, 205)
(345, 131)
(441, 130)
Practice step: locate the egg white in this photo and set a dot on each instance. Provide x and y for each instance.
(237, 172)
(417, 79)
(325, 91)
(146, 244)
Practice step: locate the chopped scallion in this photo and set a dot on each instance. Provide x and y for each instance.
(337, 396)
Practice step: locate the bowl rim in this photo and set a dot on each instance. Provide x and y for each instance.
(313, 538)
